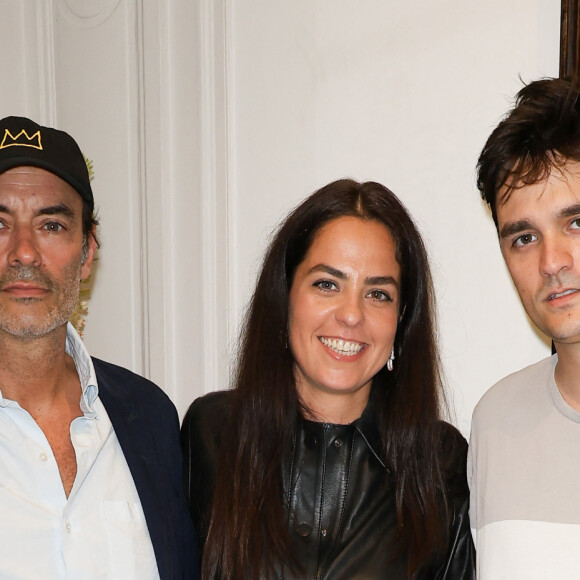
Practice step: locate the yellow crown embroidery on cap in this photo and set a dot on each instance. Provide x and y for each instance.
(9, 140)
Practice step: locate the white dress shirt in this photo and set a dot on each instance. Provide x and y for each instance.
(99, 531)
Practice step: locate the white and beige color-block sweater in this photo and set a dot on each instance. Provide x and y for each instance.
(524, 476)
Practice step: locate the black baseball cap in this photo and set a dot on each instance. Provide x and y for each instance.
(24, 142)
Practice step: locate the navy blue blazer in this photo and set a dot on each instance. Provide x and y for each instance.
(147, 427)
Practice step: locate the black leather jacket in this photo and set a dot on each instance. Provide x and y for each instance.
(342, 506)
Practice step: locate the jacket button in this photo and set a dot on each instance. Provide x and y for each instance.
(303, 530)
(338, 442)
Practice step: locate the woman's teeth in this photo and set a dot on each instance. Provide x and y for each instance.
(340, 346)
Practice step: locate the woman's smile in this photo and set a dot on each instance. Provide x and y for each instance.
(341, 346)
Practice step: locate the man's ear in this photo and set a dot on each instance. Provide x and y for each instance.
(90, 247)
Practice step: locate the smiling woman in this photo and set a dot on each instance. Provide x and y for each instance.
(343, 313)
(328, 459)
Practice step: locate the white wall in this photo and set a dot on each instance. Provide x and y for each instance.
(208, 120)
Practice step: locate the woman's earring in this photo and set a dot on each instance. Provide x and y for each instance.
(391, 359)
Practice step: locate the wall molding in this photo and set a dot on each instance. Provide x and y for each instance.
(215, 182)
(143, 322)
(45, 64)
(174, 167)
(87, 13)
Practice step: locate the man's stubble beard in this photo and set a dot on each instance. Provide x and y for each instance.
(30, 323)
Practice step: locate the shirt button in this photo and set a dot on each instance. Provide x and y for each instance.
(303, 530)
(338, 442)
(43, 456)
(323, 532)
(68, 527)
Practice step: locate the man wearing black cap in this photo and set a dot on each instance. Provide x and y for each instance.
(90, 465)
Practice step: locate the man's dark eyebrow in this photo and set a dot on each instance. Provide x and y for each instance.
(60, 209)
(570, 211)
(513, 228)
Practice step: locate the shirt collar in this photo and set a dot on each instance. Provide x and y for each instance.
(367, 426)
(85, 369)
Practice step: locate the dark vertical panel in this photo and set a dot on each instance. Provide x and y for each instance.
(569, 46)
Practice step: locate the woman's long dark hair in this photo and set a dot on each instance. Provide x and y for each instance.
(247, 524)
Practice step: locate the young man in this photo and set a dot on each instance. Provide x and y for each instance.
(90, 464)
(525, 440)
